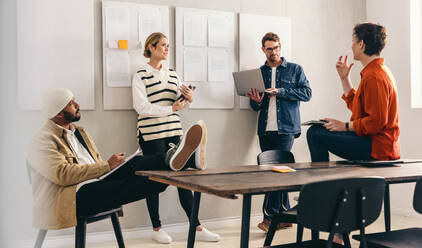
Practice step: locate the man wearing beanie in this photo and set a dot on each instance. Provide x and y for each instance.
(63, 156)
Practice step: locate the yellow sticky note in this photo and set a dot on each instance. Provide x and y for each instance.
(283, 169)
(123, 44)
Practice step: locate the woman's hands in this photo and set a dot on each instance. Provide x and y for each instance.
(179, 104)
(187, 92)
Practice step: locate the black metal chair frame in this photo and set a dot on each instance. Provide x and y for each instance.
(285, 215)
(274, 157)
(351, 212)
(395, 238)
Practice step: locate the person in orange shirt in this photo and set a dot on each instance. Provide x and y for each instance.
(373, 130)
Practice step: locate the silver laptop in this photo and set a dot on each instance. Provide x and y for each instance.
(249, 79)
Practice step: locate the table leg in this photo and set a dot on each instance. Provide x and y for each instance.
(246, 218)
(387, 210)
(193, 216)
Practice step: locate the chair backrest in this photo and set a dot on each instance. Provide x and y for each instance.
(275, 157)
(417, 196)
(341, 205)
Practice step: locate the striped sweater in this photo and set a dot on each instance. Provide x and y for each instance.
(156, 91)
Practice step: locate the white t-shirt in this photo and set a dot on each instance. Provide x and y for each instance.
(84, 157)
(272, 108)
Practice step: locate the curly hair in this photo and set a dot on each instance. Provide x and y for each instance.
(373, 35)
(153, 40)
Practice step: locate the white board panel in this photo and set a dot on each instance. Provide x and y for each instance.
(251, 30)
(139, 29)
(55, 49)
(208, 94)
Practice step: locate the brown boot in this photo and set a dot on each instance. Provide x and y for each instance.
(264, 225)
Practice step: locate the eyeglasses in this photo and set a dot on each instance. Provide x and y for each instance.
(271, 49)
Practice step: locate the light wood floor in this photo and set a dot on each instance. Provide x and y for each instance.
(230, 236)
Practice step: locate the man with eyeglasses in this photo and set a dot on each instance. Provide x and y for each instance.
(279, 118)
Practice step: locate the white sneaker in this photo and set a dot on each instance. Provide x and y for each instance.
(161, 237)
(178, 155)
(200, 161)
(206, 235)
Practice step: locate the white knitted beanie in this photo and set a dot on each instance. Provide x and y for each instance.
(55, 100)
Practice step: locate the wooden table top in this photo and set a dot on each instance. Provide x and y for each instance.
(230, 181)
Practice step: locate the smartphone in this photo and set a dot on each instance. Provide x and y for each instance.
(192, 87)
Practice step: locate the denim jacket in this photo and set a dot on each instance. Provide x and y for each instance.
(293, 87)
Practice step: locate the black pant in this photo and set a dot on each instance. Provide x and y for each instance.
(157, 147)
(121, 187)
(346, 145)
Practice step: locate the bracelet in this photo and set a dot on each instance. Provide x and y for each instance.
(347, 126)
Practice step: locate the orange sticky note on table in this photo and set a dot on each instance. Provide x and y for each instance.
(123, 44)
(283, 169)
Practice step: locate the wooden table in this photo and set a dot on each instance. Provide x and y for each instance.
(232, 181)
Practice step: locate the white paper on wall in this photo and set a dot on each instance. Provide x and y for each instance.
(219, 31)
(195, 64)
(194, 29)
(117, 23)
(149, 22)
(117, 69)
(218, 65)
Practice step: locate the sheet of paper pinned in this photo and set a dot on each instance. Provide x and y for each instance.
(283, 169)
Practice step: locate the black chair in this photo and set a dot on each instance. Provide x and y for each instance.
(286, 215)
(409, 238)
(82, 221)
(338, 206)
(274, 157)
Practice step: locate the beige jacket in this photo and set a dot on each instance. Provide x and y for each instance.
(55, 174)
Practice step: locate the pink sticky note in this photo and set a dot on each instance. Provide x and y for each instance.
(112, 44)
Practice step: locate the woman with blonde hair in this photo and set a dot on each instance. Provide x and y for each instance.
(158, 95)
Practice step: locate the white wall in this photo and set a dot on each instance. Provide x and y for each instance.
(394, 15)
(321, 32)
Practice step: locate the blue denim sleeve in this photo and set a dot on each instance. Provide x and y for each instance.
(254, 105)
(301, 92)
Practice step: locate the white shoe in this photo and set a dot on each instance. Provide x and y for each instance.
(178, 155)
(200, 161)
(206, 235)
(161, 237)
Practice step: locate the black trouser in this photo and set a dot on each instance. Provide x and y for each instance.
(156, 147)
(347, 145)
(121, 187)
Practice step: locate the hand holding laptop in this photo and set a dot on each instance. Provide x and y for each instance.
(254, 95)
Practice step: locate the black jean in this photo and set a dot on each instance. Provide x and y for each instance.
(346, 145)
(276, 200)
(121, 187)
(160, 147)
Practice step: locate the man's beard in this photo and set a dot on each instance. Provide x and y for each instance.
(72, 117)
(273, 59)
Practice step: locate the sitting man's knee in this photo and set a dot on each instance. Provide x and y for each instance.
(314, 131)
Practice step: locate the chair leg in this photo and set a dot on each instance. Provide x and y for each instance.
(80, 234)
(346, 240)
(315, 235)
(117, 230)
(40, 238)
(271, 232)
(299, 235)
